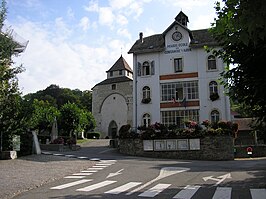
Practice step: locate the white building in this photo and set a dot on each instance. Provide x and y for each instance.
(175, 79)
(112, 99)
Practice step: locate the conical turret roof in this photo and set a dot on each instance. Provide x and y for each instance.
(120, 64)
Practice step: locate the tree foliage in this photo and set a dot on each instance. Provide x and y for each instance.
(43, 116)
(57, 97)
(10, 117)
(240, 30)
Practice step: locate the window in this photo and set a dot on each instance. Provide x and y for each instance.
(113, 86)
(146, 95)
(111, 73)
(178, 65)
(120, 72)
(146, 68)
(146, 120)
(215, 116)
(179, 91)
(211, 62)
(213, 86)
(179, 117)
(146, 92)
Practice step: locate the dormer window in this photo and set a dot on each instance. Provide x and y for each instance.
(111, 74)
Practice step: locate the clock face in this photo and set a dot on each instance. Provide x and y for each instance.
(177, 36)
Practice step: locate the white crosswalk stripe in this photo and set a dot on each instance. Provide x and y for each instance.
(82, 174)
(71, 184)
(123, 188)
(222, 193)
(187, 192)
(96, 186)
(154, 190)
(74, 177)
(258, 193)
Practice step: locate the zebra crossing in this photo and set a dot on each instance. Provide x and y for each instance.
(186, 192)
(94, 169)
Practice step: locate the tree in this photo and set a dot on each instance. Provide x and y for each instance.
(10, 121)
(75, 120)
(43, 116)
(240, 30)
(70, 119)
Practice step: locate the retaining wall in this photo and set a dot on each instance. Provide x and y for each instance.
(209, 148)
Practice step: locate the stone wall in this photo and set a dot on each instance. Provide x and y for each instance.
(211, 148)
(101, 94)
(258, 151)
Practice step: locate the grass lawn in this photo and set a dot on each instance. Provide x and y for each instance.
(82, 141)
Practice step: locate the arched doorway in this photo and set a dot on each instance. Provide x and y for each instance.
(112, 130)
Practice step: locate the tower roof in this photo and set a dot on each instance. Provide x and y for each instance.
(120, 64)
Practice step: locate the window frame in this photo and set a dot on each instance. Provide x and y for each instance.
(113, 86)
(178, 117)
(170, 90)
(144, 119)
(213, 116)
(213, 87)
(178, 67)
(211, 61)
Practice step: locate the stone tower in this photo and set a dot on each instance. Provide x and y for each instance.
(112, 99)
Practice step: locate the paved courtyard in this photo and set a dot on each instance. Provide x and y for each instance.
(32, 171)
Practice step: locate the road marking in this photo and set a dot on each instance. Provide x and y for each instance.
(154, 190)
(123, 188)
(258, 193)
(164, 172)
(108, 161)
(82, 157)
(187, 192)
(82, 174)
(104, 164)
(115, 174)
(90, 171)
(70, 156)
(71, 184)
(95, 168)
(96, 186)
(100, 166)
(95, 159)
(222, 193)
(219, 179)
(75, 177)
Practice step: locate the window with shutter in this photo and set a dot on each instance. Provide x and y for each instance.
(152, 68)
(139, 69)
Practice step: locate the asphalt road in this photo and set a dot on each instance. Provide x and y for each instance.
(108, 174)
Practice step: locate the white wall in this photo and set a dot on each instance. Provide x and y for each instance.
(114, 108)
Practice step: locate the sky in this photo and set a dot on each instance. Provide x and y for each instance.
(72, 43)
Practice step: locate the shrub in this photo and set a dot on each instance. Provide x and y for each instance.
(126, 133)
(58, 140)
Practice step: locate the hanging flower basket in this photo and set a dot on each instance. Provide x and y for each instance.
(214, 96)
(146, 100)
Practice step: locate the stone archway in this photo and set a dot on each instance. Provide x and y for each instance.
(112, 130)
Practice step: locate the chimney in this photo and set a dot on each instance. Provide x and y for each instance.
(141, 37)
